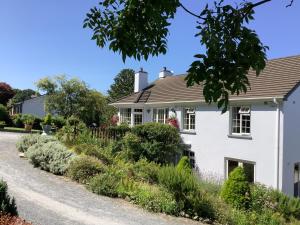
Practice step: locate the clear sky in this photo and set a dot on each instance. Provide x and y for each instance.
(45, 37)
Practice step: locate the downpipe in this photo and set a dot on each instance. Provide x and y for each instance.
(277, 142)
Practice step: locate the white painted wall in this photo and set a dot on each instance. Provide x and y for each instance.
(35, 106)
(291, 140)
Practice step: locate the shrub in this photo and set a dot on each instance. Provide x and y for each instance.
(102, 154)
(28, 119)
(37, 123)
(17, 120)
(159, 142)
(184, 165)
(58, 121)
(4, 114)
(47, 119)
(106, 183)
(12, 220)
(52, 156)
(236, 190)
(27, 141)
(82, 168)
(133, 149)
(146, 171)
(7, 204)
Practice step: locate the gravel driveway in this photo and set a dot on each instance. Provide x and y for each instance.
(46, 199)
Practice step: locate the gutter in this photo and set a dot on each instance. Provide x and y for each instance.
(277, 143)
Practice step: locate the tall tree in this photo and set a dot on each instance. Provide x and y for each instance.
(23, 95)
(140, 29)
(6, 93)
(123, 85)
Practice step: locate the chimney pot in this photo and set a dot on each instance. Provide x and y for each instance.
(164, 73)
(140, 80)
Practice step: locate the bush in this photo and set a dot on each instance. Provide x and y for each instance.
(82, 168)
(133, 149)
(102, 154)
(52, 156)
(47, 119)
(12, 220)
(7, 204)
(184, 165)
(159, 142)
(27, 141)
(185, 189)
(17, 120)
(106, 183)
(37, 123)
(236, 190)
(28, 119)
(58, 121)
(4, 114)
(146, 171)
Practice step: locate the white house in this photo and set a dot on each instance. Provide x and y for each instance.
(260, 131)
(34, 106)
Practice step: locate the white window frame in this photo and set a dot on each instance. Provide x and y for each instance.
(137, 113)
(241, 164)
(245, 110)
(121, 116)
(166, 115)
(189, 119)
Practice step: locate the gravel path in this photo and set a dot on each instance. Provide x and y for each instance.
(46, 199)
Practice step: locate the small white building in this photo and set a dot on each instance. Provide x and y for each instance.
(260, 131)
(34, 106)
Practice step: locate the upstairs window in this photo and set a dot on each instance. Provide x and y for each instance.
(240, 120)
(125, 115)
(161, 115)
(189, 119)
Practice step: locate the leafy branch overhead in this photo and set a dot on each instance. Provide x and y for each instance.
(140, 28)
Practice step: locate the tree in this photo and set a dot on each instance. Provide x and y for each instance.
(73, 98)
(23, 95)
(139, 29)
(123, 85)
(6, 93)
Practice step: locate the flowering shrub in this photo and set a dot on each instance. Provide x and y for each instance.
(173, 122)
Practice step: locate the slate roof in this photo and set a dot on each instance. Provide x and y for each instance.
(278, 79)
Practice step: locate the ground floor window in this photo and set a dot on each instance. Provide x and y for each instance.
(137, 117)
(161, 115)
(125, 115)
(249, 168)
(297, 180)
(189, 119)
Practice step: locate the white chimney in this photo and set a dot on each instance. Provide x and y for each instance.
(140, 80)
(164, 73)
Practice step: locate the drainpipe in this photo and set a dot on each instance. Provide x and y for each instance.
(277, 143)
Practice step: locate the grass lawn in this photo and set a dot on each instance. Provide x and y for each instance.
(19, 130)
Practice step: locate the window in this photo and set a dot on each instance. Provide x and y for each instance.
(249, 168)
(137, 116)
(161, 115)
(191, 155)
(125, 115)
(240, 120)
(297, 180)
(189, 119)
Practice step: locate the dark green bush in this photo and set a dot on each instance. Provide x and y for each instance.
(58, 121)
(159, 142)
(17, 120)
(82, 168)
(184, 165)
(236, 189)
(146, 171)
(4, 114)
(106, 183)
(119, 131)
(132, 147)
(37, 123)
(52, 156)
(7, 204)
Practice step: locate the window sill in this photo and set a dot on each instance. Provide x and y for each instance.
(248, 137)
(192, 132)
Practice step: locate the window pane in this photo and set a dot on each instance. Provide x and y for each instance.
(249, 170)
(189, 119)
(155, 115)
(138, 119)
(161, 116)
(231, 166)
(125, 115)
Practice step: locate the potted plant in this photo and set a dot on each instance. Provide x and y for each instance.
(173, 122)
(2, 124)
(28, 121)
(46, 125)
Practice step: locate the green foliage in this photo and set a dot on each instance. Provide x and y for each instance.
(145, 171)
(123, 85)
(17, 120)
(184, 165)
(2, 124)
(52, 156)
(7, 204)
(4, 114)
(236, 189)
(47, 119)
(58, 121)
(133, 148)
(106, 183)
(23, 95)
(28, 119)
(28, 140)
(83, 167)
(6, 93)
(186, 191)
(159, 142)
(47, 85)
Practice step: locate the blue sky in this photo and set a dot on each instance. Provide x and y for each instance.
(45, 38)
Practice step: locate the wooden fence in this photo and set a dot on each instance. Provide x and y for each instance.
(108, 134)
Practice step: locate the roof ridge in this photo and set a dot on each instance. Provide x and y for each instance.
(284, 57)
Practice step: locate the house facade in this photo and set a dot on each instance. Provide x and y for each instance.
(260, 131)
(34, 106)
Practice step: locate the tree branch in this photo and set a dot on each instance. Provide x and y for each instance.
(291, 3)
(188, 11)
(259, 3)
